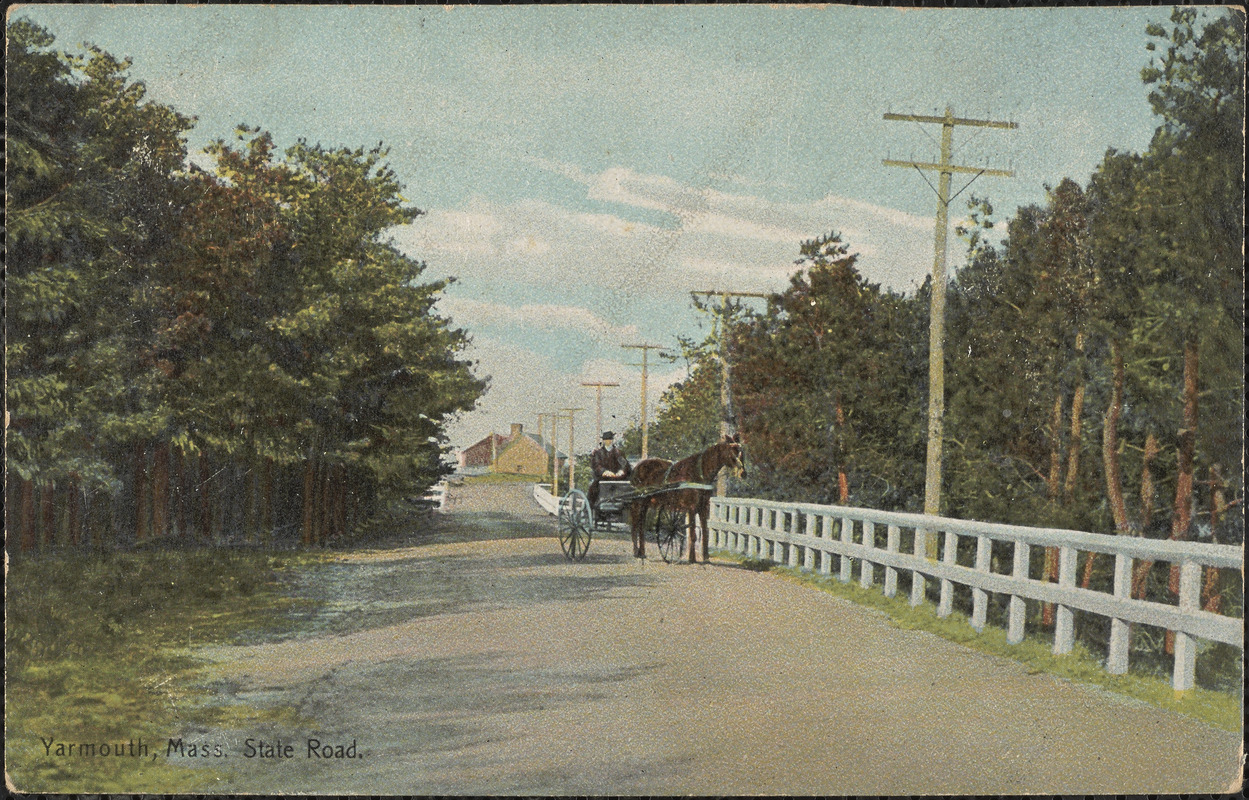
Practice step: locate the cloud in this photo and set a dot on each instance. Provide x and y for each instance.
(540, 316)
(741, 237)
(716, 226)
(550, 290)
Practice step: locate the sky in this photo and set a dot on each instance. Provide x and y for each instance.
(583, 168)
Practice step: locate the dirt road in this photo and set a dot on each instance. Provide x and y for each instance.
(479, 661)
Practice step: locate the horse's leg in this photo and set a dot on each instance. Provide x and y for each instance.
(638, 514)
(689, 535)
(646, 507)
(634, 511)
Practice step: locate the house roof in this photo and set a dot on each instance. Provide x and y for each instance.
(544, 444)
(500, 440)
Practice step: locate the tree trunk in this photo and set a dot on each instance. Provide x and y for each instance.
(160, 489)
(1152, 449)
(1185, 453)
(323, 507)
(205, 496)
(305, 534)
(1141, 571)
(353, 502)
(72, 512)
(266, 501)
(843, 485)
(1054, 480)
(1211, 597)
(47, 509)
(340, 502)
(1049, 570)
(1181, 519)
(1110, 442)
(1077, 413)
(178, 493)
(1110, 455)
(249, 499)
(28, 515)
(140, 492)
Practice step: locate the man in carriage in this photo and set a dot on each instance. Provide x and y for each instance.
(607, 463)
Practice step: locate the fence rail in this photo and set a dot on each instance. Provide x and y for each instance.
(437, 496)
(807, 536)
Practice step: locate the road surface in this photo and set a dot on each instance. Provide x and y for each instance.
(478, 661)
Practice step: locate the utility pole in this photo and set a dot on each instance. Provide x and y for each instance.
(598, 402)
(937, 325)
(727, 421)
(936, 329)
(555, 453)
(572, 448)
(645, 348)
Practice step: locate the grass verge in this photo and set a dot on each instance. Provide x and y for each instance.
(1220, 709)
(96, 653)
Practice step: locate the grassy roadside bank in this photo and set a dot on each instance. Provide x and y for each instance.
(1219, 709)
(95, 654)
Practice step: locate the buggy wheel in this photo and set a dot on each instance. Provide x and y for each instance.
(575, 524)
(670, 533)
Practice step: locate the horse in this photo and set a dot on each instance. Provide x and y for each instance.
(656, 473)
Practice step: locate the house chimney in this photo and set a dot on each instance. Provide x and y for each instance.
(494, 448)
(517, 430)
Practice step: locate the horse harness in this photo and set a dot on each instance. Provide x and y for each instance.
(701, 477)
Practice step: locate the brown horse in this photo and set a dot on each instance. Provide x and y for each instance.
(656, 473)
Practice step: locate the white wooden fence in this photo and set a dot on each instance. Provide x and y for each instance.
(437, 496)
(806, 536)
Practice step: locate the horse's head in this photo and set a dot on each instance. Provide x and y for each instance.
(731, 446)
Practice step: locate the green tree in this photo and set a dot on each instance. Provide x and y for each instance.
(92, 200)
(1192, 204)
(826, 386)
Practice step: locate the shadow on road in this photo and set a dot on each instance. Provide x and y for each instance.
(354, 595)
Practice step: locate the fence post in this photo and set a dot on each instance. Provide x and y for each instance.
(808, 554)
(793, 548)
(847, 536)
(917, 578)
(826, 558)
(1185, 672)
(867, 569)
(948, 556)
(979, 597)
(1120, 631)
(1018, 608)
(1064, 622)
(892, 537)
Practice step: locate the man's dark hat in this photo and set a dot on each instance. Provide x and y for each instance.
(608, 435)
